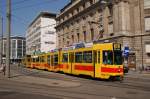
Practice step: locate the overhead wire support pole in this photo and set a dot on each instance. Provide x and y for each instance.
(1, 49)
(8, 38)
(0, 44)
(141, 2)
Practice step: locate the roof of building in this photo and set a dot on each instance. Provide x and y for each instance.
(66, 6)
(44, 14)
(16, 37)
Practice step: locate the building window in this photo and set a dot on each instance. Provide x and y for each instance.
(110, 28)
(147, 24)
(77, 21)
(67, 43)
(92, 34)
(84, 36)
(73, 38)
(101, 34)
(147, 47)
(49, 32)
(91, 2)
(78, 37)
(78, 10)
(49, 42)
(83, 18)
(83, 5)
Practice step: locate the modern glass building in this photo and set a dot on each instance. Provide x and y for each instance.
(17, 49)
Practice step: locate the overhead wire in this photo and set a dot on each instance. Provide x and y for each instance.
(23, 21)
(33, 5)
(15, 3)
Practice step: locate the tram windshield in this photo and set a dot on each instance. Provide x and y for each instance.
(117, 57)
(112, 57)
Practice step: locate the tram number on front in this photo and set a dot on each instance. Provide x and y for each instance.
(117, 46)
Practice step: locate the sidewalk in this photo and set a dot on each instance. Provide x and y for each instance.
(15, 76)
(144, 75)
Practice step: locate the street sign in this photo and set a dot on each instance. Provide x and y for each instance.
(126, 51)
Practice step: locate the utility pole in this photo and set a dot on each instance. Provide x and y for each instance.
(0, 41)
(8, 38)
(141, 9)
(1, 49)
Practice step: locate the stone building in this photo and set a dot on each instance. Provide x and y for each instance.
(106, 20)
(147, 15)
(147, 33)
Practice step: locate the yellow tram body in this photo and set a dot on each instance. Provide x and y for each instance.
(26, 61)
(98, 61)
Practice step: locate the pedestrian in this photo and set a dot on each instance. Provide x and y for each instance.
(2, 69)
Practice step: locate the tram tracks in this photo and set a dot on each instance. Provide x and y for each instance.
(131, 84)
(54, 91)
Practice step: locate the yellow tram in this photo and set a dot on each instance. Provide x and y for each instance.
(26, 61)
(102, 61)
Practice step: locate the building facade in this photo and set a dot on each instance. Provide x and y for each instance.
(147, 15)
(17, 50)
(119, 21)
(41, 34)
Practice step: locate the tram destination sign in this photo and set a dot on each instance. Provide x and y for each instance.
(116, 46)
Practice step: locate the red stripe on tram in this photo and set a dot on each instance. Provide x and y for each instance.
(85, 68)
(111, 70)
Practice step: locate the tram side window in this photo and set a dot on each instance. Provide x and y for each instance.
(52, 60)
(78, 57)
(71, 57)
(56, 59)
(42, 59)
(48, 59)
(65, 57)
(108, 57)
(37, 59)
(95, 56)
(87, 57)
(33, 60)
(28, 60)
(98, 56)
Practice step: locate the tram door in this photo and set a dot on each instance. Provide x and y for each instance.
(71, 59)
(52, 62)
(97, 62)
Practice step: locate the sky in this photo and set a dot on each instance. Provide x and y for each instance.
(25, 11)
